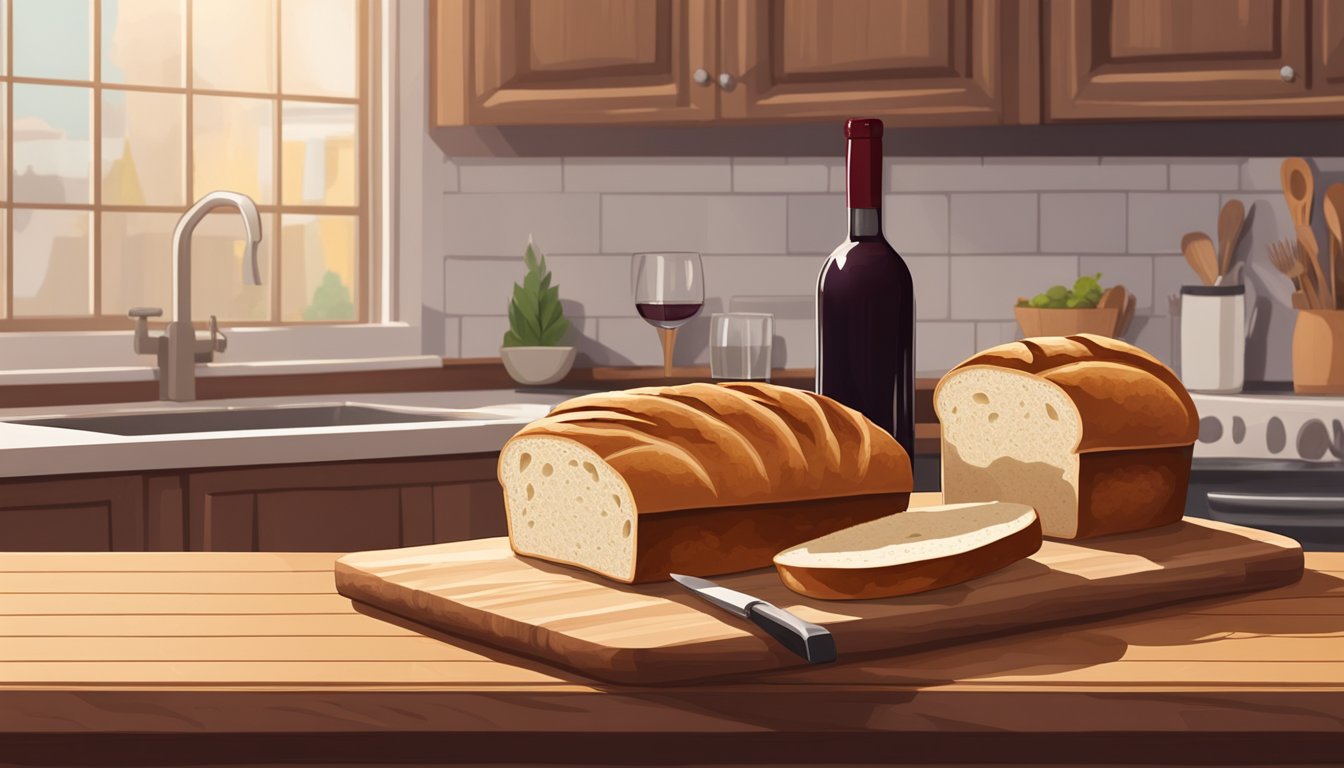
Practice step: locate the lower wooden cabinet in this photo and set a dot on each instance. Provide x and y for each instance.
(329, 507)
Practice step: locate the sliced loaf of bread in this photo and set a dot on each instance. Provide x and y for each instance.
(914, 551)
(1094, 433)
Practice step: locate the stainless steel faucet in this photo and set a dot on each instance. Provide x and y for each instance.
(178, 349)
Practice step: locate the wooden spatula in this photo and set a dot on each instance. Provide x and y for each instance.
(1230, 221)
(1201, 256)
(1334, 214)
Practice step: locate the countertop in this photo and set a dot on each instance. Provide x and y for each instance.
(485, 420)
(170, 658)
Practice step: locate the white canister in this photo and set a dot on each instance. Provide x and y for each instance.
(1213, 337)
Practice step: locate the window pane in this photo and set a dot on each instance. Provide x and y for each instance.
(233, 45)
(4, 294)
(53, 266)
(52, 38)
(318, 47)
(142, 148)
(217, 286)
(142, 41)
(319, 268)
(4, 36)
(52, 154)
(137, 258)
(319, 153)
(4, 137)
(234, 146)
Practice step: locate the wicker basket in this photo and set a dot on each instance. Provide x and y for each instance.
(1036, 321)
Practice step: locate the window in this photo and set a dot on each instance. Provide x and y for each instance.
(118, 114)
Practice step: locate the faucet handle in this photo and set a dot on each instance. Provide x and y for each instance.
(141, 342)
(218, 341)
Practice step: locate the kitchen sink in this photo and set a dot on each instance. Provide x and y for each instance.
(235, 419)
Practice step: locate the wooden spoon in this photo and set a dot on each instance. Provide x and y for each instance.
(1201, 256)
(1230, 221)
(1112, 298)
(1299, 187)
(1334, 213)
(1126, 315)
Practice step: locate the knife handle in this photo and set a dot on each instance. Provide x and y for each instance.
(804, 638)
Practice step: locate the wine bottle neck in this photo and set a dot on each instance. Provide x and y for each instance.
(865, 222)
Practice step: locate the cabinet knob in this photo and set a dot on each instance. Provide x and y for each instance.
(701, 77)
(1287, 74)
(726, 81)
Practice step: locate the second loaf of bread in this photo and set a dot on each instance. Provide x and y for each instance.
(700, 479)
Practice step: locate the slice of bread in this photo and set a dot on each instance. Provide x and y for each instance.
(914, 551)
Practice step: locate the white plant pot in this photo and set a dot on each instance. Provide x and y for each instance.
(537, 365)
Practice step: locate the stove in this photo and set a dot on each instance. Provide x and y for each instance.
(1274, 460)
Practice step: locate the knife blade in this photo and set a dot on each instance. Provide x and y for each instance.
(808, 640)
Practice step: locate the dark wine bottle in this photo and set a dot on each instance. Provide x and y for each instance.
(866, 303)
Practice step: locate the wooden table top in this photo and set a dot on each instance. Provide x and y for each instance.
(173, 654)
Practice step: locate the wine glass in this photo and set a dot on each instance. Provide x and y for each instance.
(669, 290)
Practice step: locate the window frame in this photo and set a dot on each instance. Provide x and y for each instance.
(369, 208)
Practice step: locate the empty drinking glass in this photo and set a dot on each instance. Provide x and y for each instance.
(740, 345)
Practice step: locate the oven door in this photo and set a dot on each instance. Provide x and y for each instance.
(1301, 500)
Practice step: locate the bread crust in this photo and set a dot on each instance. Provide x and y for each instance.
(1126, 398)
(708, 542)
(910, 578)
(1121, 491)
(731, 445)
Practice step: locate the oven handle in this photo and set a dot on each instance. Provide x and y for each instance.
(1281, 509)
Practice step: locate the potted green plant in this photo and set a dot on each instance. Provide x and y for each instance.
(1085, 308)
(532, 352)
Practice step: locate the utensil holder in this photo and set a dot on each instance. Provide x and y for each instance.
(1037, 321)
(1213, 337)
(1318, 352)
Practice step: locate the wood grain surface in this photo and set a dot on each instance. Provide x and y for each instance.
(659, 633)
(1233, 680)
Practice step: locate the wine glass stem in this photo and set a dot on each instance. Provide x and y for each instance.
(669, 338)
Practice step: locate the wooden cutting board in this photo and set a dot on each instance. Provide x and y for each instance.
(659, 633)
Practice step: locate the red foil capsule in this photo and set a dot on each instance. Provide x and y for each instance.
(863, 161)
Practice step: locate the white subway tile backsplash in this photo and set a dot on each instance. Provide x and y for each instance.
(1133, 272)
(1158, 221)
(817, 223)
(482, 336)
(648, 174)
(987, 287)
(993, 334)
(1026, 174)
(1213, 174)
(1083, 223)
(708, 223)
(916, 223)
(499, 224)
(976, 232)
(930, 274)
(1261, 173)
(994, 223)
(512, 174)
(775, 174)
(939, 346)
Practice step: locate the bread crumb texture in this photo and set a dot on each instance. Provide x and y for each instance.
(914, 536)
(1012, 436)
(565, 504)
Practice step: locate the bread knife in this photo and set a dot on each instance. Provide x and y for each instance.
(804, 638)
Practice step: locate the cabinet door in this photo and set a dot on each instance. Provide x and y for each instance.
(344, 507)
(1180, 59)
(73, 514)
(573, 61)
(917, 62)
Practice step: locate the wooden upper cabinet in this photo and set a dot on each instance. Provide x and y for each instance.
(1144, 59)
(915, 61)
(573, 61)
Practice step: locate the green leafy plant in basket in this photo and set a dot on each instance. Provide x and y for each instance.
(536, 318)
(1085, 294)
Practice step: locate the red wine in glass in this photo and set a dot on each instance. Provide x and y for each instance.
(667, 315)
(669, 290)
